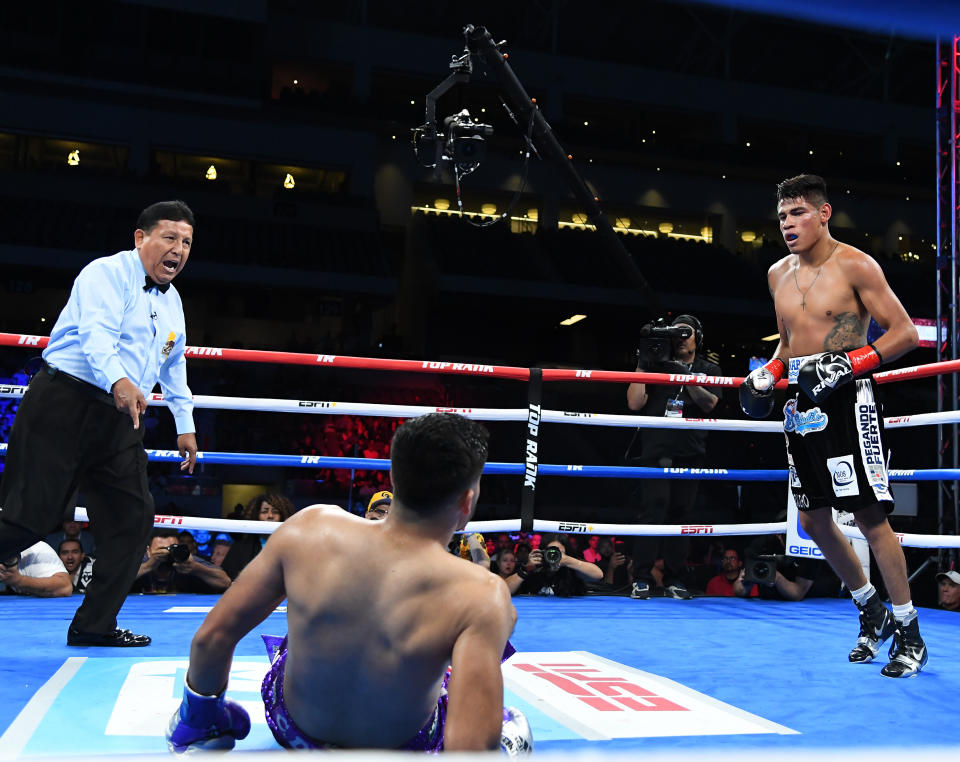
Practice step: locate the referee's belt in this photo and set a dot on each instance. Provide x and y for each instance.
(78, 384)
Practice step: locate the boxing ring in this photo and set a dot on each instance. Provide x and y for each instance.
(596, 674)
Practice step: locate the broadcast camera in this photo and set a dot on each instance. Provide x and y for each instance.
(762, 569)
(462, 142)
(656, 342)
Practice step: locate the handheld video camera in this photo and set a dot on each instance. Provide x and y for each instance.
(762, 569)
(656, 342)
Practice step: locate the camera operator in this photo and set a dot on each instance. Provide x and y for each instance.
(781, 577)
(169, 567)
(551, 571)
(666, 501)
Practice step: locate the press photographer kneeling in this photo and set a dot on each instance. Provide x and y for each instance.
(551, 571)
(169, 567)
(781, 577)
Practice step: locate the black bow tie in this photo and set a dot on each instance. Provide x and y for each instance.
(151, 283)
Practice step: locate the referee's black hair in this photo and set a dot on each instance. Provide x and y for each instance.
(177, 211)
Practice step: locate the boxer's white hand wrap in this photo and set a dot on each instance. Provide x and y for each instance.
(756, 391)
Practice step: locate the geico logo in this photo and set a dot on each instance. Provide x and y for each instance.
(696, 529)
(571, 527)
(802, 550)
(203, 352)
(30, 341)
(570, 414)
(312, 403)
(468, 366)
(454, 410)
(705, 380)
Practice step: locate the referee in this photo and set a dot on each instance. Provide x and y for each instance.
(79, 424)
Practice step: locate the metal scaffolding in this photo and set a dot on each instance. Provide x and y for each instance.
(948, 165)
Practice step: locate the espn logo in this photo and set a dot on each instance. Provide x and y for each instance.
(696, 529)
(604, 693)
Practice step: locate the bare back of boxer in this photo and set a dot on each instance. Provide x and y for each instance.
(376, 611)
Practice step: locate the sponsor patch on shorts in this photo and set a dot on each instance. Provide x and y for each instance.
(843, 477)
(804, 422)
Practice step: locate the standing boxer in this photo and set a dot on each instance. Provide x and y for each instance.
(824, 293)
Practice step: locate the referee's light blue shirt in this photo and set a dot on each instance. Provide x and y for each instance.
(111, 328)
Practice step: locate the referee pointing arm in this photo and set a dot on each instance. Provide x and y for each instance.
(121, 331)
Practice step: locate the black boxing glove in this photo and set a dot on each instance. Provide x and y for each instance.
(820, 375)
(756, 390)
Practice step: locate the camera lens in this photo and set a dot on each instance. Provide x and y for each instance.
(551, 558)
(178, 553)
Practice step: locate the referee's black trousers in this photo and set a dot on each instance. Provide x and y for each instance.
(67, 435)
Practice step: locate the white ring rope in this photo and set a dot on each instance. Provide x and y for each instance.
(243, 526)
(326, 407)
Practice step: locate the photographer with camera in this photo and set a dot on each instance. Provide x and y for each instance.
(673, 348)
(550, 571)
(169, 567)
(782, 577)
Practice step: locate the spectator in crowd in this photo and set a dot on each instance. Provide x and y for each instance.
(948, 596)
(73, 530)
(669, 501)
(503, 542)
(565, 577)
(618, 573)
(220, 547)
(379, 506)
(164, 571)
(506, 564)
(36, 571)
(591, 554)
(185, 537)
(269, 506)
(77, 563)
(730, 580)
(522, 553)
(474, 548)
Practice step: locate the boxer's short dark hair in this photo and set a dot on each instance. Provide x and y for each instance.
(434, 458)
(809, 187)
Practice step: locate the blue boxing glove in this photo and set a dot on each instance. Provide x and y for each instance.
(516, 739)
(756, 390)
(206, 722)
(820, 375)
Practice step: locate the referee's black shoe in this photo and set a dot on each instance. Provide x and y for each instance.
(116, 639)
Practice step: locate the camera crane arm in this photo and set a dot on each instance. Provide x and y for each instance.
(480, 43)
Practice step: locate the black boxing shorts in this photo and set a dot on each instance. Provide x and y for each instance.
(835, 449)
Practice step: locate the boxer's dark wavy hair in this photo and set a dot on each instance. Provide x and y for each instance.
(177, 211)
(810, 187)
(435, 458)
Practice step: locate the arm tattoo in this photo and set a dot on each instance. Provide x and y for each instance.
(847, 333)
